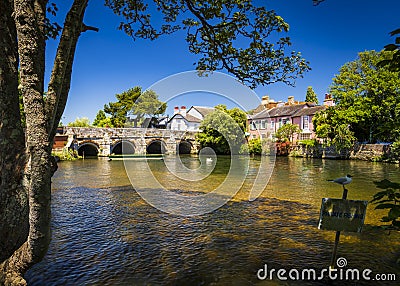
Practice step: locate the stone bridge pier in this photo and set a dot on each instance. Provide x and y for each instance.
(90, 141)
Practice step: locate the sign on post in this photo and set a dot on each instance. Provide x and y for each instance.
(342, 215)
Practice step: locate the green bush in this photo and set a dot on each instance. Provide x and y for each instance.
(308, 142)
(395, 150)
(255, 147)
(388, 199)
(66, 155)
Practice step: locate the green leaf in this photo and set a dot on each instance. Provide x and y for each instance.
(385, 184)
(395, 32)
(386, 206)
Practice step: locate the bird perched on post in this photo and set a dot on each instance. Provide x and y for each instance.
(342, 180)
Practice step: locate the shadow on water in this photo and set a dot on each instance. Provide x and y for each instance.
(111, 236)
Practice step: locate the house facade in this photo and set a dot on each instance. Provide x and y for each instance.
(188, 120)
(265, 123)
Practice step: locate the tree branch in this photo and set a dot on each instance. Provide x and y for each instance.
(89, 28)
(62, 69)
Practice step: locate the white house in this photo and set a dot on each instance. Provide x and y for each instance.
(188, 120)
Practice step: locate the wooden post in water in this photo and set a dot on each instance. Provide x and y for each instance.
(337, 237)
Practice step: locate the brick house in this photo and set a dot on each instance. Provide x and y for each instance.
(273, 115)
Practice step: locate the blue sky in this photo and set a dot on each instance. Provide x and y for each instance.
(328, 36)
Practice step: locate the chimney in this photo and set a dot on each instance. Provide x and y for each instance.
(328, 101)
(265, 100)
(290, 100)
(183, 111)
(176, 110)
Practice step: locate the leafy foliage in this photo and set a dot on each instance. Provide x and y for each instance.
(393, 63)
(286, 132)
(133, 102)
(253, 147)
(388, 199)
(367, 103)
(100, 116)
(333, 124)
(80, 122)
(395, 150)
(311, 96)
(119, 109)
(223, 130)
(147, 104)
(230, 35)
(371, 96)
(308, 142)
(51, 29)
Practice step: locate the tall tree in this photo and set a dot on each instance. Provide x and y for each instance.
(147, 105)
(120, 109)
(223, 130)
(229, 35)
(311, 96)
(369, 96)
(100, 117)
(25, 157)
(334, 126)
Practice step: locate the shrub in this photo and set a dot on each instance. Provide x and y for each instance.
(388, 199)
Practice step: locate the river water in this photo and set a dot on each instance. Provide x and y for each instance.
(104, 233)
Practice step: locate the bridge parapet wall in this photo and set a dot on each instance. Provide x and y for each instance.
(105, 138)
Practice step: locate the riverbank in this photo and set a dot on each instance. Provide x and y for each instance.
(363, 152)
(65, 155)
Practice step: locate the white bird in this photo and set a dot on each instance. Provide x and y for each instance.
(209, 160)
(342, 180)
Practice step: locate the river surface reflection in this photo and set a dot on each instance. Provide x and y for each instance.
(104, 233)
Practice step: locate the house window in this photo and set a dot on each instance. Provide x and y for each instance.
(305, 136)
(252, 126)
(263, 124)
(305, 122)
(273, 125)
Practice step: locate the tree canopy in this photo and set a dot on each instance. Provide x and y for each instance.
(223, 130)
(120, 109)
(311, 96)
(100, 117)
(227, 35)
(133, 102)
(369, 97)
(147, 105)
(80, 122)
(393, 63)
(286, 132)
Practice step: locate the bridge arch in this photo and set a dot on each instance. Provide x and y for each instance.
(123, 147)
(88, 149)
(184, 147)
(156, 146)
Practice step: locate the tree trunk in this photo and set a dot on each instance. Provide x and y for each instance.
(26, 169)
(14, 224)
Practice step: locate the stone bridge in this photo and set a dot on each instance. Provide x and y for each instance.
(91, 141)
